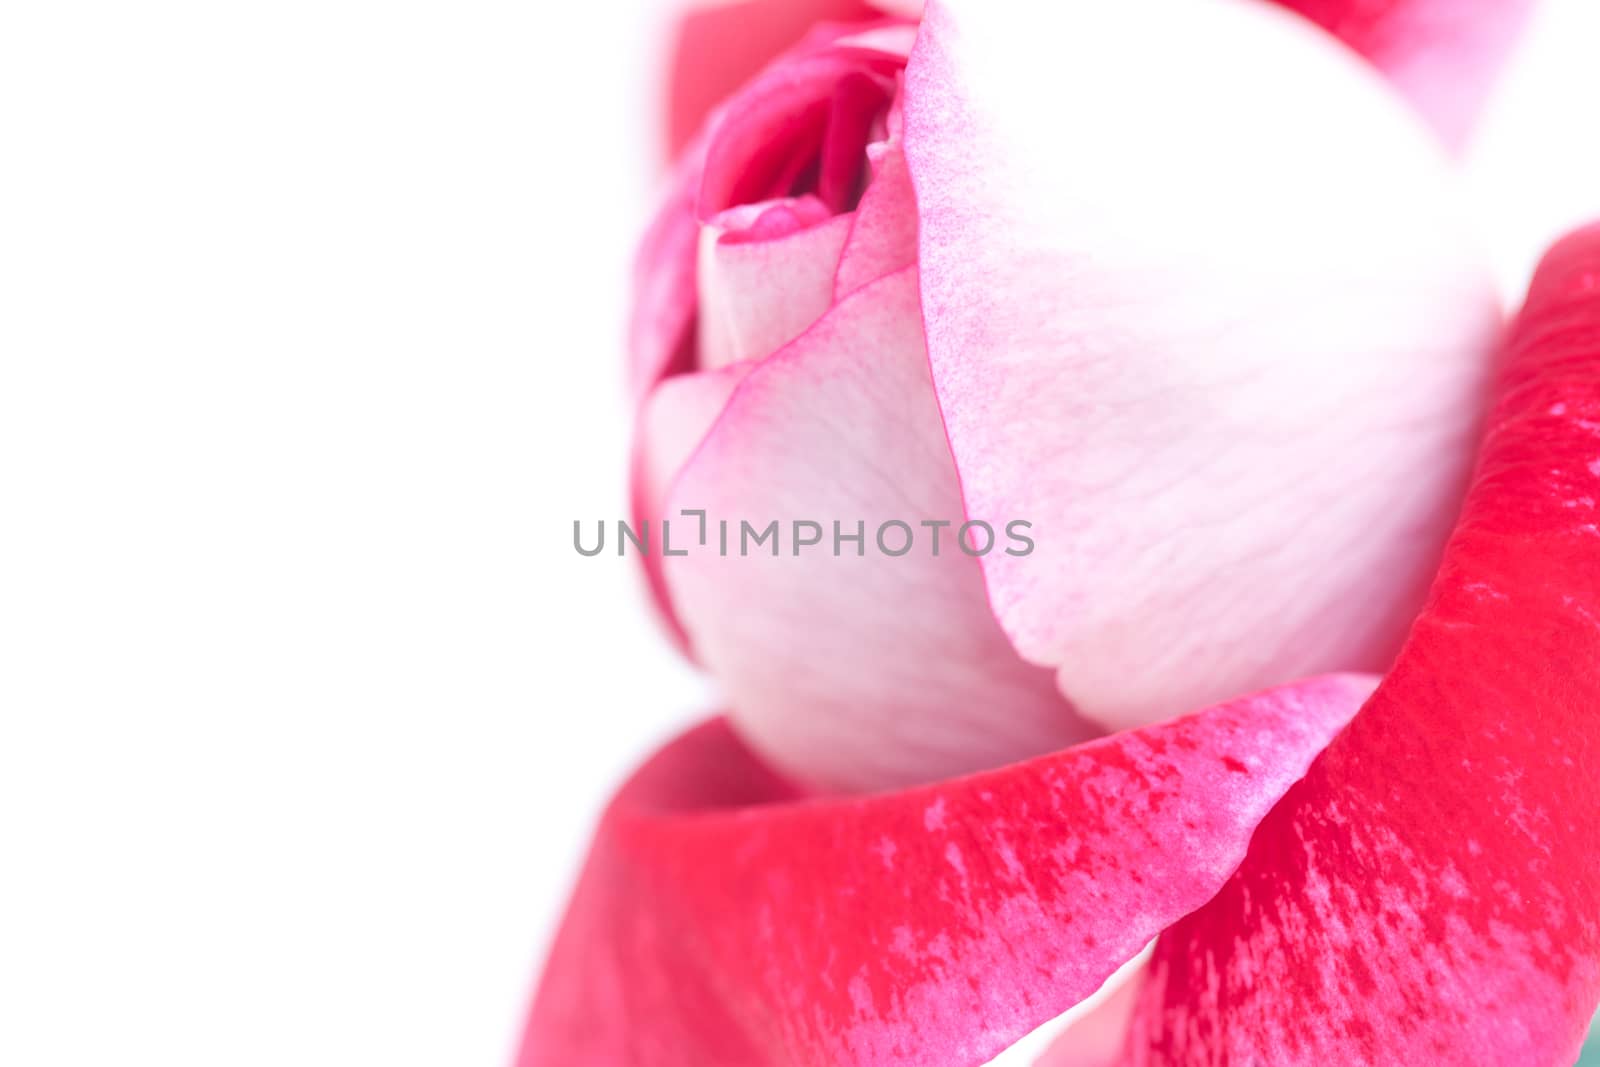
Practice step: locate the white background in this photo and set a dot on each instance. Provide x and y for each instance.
(310, 330)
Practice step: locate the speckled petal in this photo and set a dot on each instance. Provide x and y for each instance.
(724, 921)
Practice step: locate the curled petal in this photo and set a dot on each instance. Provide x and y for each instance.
(721, 923)
(1430, 893)
(1224, 348)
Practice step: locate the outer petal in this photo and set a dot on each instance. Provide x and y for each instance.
(721, 45)
(717, 925)
(854, 670)
(1223, 347)
(1430, 894)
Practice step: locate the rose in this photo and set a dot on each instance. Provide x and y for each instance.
(1423, 894)
(1222, 348)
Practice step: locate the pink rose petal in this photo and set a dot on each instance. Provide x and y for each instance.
(860, 670)
(673, 421)
(757, 295)
(1225, 347)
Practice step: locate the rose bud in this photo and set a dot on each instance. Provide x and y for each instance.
(1201, 319)
(1423, 891)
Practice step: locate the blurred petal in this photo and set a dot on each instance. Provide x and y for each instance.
(1442, 54)
(1532, 180)
(664, 299)
(718, 924)
(856, 671)
(1224, 348)
(720, 46)
(1430, 893)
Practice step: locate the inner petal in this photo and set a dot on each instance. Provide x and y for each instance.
(765, 273)
(859, 104)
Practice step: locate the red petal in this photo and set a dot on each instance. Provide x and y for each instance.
(1430, 893)
(721, 922)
